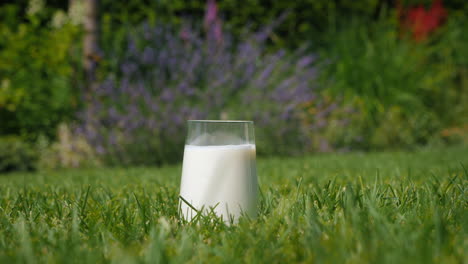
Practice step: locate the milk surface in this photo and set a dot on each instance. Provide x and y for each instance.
(223, 177)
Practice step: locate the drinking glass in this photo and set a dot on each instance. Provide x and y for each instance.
(219, 171)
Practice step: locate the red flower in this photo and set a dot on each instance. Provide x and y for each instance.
(422, 22)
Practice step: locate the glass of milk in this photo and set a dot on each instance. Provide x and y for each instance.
(219, 171)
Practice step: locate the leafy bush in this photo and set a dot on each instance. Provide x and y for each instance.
(36, 74)
(449, 53)
(16, 155)
(68, 151)
(406, 93)
(166, 77)
(331, 122)
(308, 19)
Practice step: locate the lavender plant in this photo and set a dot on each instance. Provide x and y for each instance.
(166, 76)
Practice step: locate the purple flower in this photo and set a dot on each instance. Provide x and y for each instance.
(106, 87)
(185, 33)
(324, 146)
(133, 111)
(177, 119)
(113, 114)
(128, 68)
(287, 113)
(100, 149)
(211, 14)
(153, 106)
(184, 88)
(132, 49)
(148, 56)
(264, 76)
(179, 74)
(112, 138)
(167, 95)
(306, 61)
(146, 31)
(152, 124)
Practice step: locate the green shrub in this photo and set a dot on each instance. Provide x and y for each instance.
(158, 80)
(405, 92)
(68, 151)
(16, 155)
(449, 53)
(36, 76)
(307, 20)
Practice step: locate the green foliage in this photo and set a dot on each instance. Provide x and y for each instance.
(16, 155)
(307, 19)
(449, 54)
(404, 92)
(36, 71)
(356, 208)
(68, 151)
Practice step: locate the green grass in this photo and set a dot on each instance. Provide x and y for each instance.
(338, 208)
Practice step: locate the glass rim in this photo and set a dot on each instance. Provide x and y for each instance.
(221, 121)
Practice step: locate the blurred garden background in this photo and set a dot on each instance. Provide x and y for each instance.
(88, 83)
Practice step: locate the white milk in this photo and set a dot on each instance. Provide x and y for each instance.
(221, 176)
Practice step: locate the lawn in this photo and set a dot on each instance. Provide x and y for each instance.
(393, 207)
